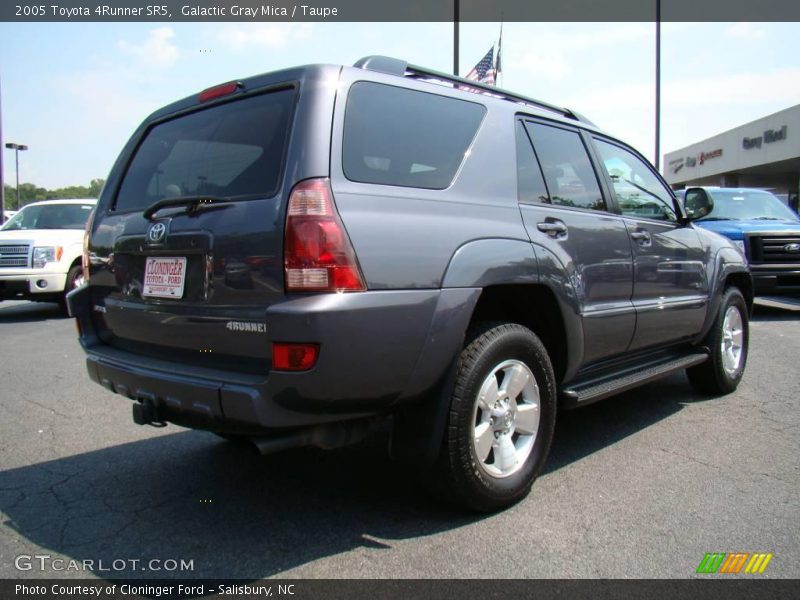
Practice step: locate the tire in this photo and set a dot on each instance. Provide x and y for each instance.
(728, 342)
(74, 280)
(493, 450)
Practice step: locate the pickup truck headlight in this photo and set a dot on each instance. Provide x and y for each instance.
(46, 254)
(740, 245)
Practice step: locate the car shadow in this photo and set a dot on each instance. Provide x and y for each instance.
(191, 496)
(13, 311)
(591, 428)
(774, 312)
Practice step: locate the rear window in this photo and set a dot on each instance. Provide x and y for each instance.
(231, 150)
(396, 136)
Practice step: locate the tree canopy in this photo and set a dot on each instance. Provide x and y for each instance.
(29, 192)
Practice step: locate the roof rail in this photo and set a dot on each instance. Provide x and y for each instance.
(395, 66)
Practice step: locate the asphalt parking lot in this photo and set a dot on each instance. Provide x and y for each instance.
(641, 485)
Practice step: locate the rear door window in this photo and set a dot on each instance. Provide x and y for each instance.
(234, 149)
(566, 166)
(396, 136)
(530, 183)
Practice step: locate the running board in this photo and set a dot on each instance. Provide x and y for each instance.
(596, 389)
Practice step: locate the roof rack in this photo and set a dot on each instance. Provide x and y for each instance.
(395, 66)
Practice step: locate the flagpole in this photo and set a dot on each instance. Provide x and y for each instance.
(498, 64)
(658, 85)
(455, 37)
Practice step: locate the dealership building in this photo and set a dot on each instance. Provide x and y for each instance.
(764, 154)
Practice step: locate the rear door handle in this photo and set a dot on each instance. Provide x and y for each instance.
(642, 237)
(552, 228)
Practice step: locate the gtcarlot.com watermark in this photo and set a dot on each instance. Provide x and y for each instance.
(46, 562)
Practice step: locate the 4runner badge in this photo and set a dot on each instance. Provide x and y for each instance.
(156, 232)
(246, 326)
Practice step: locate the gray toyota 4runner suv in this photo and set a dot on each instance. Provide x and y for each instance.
(293, 257)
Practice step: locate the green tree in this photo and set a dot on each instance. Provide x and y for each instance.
(28, 192)
(95, 187)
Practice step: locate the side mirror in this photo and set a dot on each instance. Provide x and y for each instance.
(697, 203)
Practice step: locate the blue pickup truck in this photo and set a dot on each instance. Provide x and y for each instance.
(764, 229)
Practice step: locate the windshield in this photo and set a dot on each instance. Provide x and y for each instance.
(740, 205)
(50, 216)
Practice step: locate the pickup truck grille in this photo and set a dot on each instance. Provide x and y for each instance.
(774, 249)
(16, 255)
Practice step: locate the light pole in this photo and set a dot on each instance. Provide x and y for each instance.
(456, 17)
(17, 149)
(2, 183)
(658, 86)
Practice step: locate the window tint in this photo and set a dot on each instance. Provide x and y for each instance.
(639, 192)
(50, 216)
(234, 149)
(529, 176)
(567, 169)
(395, 136)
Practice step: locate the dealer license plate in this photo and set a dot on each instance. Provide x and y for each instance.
(164, 277)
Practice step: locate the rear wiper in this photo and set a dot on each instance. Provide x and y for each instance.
(192, 202)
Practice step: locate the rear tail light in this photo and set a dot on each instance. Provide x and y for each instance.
(85, 258)
(318, 255)
(294, 357)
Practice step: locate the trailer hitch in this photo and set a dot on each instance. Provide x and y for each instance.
(145, 411)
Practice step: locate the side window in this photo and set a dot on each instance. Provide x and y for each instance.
(639, 192)
(567, 169)
(530, 183)
(396, 136)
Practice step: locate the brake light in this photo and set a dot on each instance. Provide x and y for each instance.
(218, 91)
(85, 257)
(294, 357)
(318, 255)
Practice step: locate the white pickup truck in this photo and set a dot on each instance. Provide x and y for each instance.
(41, 248)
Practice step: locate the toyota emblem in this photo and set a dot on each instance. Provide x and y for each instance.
(792, 248)
(156, 232)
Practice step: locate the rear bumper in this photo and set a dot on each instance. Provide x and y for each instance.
(30, 284)
(376, 349)
(203, 400)
(783, 280)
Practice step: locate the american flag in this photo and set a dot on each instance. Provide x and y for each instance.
(484, 71)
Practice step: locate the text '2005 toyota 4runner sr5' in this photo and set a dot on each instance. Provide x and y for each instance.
(292, 257)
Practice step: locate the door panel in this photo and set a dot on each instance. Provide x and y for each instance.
(564, 210)
(596, 255)
(670, 292)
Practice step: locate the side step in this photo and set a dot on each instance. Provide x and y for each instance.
(581, 393)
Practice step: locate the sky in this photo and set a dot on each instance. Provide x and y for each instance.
(75, 92)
